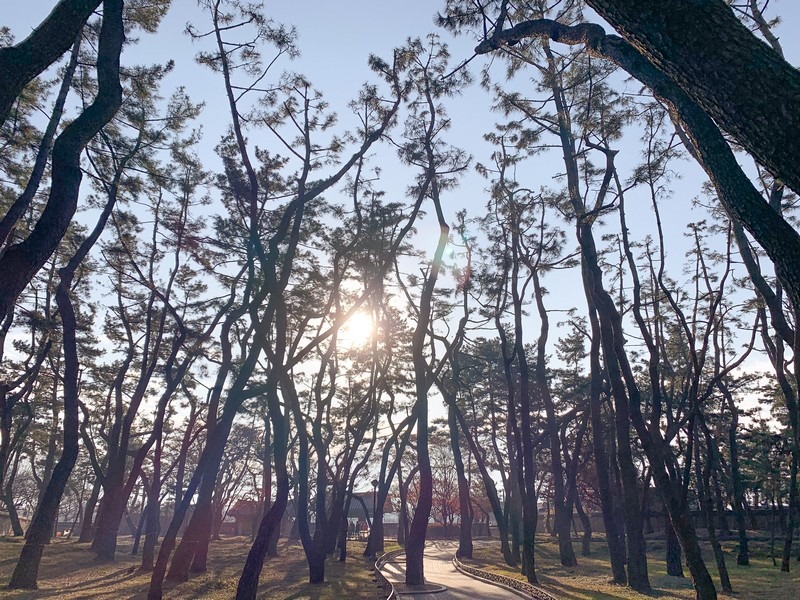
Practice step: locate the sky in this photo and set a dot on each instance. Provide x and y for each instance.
(336, 39)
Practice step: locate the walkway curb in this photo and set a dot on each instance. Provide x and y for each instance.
(511, 584)
(382, 560)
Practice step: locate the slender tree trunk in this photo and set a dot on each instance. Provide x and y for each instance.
(26, 572)
(87, 526)
(586, 525)
(137, 531)
(464, 504)
(614, 536)
(271, 522)
(489, 486)
(415, 544)
(703, 474)
(13, 515)
(793, 501)
(153, 511)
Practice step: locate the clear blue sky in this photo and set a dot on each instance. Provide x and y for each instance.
(336, 38)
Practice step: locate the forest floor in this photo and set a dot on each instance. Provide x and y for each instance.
(69, 572)
(590, 580)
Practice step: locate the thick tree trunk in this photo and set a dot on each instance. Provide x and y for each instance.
(739, 81)
(21, 261)
(673, 549)
(112, 509)
(20, 64)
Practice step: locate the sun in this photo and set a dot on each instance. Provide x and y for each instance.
(357, 331)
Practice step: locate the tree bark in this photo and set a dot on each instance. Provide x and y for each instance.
(26, 572)
(703, 138)
(87, 528)
(271, 522)
(561, 523)
(21, 63)
(21, 261)
(464, 504)
(673, 548)
(614, 537)
(704, 49)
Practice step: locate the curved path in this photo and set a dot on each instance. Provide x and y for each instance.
(439, 570)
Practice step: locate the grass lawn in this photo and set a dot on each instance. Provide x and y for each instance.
(590, 580)
(69, 572)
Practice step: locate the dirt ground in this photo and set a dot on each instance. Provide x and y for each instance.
(69, 572)
(590, 579)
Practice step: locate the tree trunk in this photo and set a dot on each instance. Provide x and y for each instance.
(614, 536)
(673, 550)
(703, 48)
(20, 64)
(112, 509)
(153, 511)
(270, 525)
(21, 261)
(793, 501)
(415, 544)
(489, 486)
(464, 504)
(26, 572)
(562, 517)
(87, 527)
(13, 515)
(137, 531)
(703, 474)
(586, 525)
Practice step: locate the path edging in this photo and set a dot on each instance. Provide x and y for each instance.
(382, 560)
(503, 581)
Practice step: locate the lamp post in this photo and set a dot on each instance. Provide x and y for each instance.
(372, 542)
(375, 483)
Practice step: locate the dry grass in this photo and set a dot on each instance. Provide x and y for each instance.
(590, 579)
(69, 572)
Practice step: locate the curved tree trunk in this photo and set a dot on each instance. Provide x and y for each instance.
(87, 526)
(271, 522)
(704, 49)
(26, 572)
(21, 261)
(20, 64)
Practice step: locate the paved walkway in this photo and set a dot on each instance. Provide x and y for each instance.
(439, 570)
